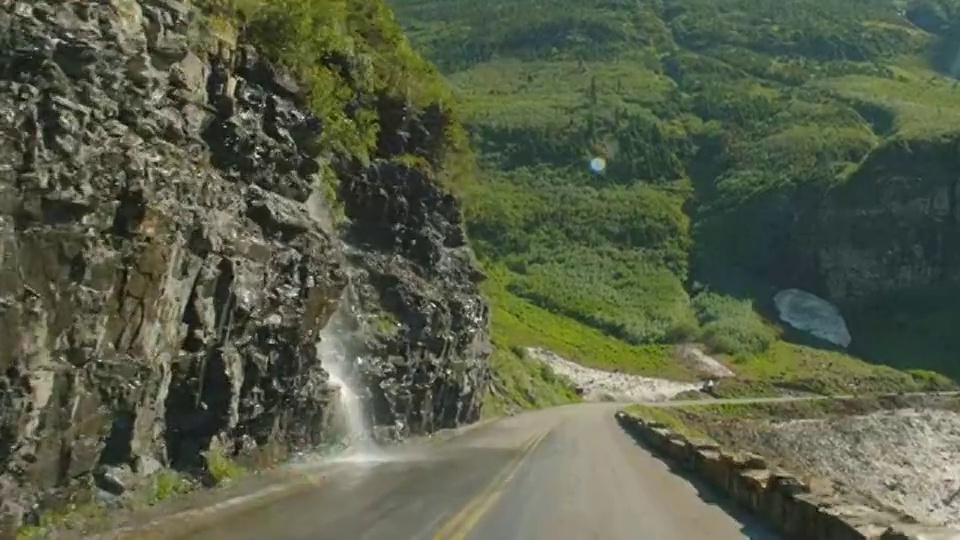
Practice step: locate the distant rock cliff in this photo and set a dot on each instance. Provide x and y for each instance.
(893, 226)
(163, 271)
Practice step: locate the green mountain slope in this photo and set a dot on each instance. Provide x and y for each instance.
(749, 146)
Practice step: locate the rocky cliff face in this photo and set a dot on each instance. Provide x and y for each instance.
(164, 275)
(895, 225)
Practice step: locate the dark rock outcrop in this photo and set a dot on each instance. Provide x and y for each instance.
(410, 260)
(164, 274)
(894, 226)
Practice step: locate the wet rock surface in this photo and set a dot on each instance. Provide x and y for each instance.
(162, 279)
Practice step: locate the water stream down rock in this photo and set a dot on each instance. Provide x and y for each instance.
(341, 357)
(163, 283)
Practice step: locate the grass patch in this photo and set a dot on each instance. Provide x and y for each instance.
(520, 382)
(221, 468)
(719, 421)
(93, 516)
(802, 369)
(168, 484)
(519, 323)
(924, 106)
(670, 418)
(72, 517)
(534, 100)
(617, 271)
(732, 326)
(384, 322)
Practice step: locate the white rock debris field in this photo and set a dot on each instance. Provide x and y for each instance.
(907, 459)
(598, 385)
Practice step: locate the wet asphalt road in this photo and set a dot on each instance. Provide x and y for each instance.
(568, 473)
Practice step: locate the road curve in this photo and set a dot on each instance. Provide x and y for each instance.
(568, 473)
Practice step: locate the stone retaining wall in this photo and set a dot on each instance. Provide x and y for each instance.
(784, 501)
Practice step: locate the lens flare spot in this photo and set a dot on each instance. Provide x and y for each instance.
(598, 165)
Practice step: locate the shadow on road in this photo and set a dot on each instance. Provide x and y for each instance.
(751, 527)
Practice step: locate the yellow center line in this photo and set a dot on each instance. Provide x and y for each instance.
(464, 521)
(474, 518)
(450, 526)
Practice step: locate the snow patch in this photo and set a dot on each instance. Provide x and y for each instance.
(810, 313)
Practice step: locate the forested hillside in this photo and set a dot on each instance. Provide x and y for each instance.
(749, 146)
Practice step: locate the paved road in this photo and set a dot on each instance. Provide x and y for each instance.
(568, 473)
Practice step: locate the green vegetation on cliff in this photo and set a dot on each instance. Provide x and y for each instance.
(727, 127)
(349, 56)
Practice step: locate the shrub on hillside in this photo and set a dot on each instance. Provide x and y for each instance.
(731, 326)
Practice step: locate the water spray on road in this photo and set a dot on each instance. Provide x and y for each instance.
(342, 362)
(341, 357)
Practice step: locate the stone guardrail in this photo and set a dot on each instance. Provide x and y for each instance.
(779, 498)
